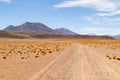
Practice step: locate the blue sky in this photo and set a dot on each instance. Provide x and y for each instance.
(81, 16)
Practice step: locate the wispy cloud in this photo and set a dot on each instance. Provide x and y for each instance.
(100, 5)
(6, 1)
(101, 20)
(116, 12)
(95, 29)
(101, 30)
(91, 19)
(104, 7)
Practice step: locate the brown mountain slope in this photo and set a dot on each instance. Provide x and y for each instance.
(4, 34)
(39, 30)
(29, 27)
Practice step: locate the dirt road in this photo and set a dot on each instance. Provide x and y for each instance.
(80, 63)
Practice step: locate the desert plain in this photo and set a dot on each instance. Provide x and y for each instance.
(59, 59)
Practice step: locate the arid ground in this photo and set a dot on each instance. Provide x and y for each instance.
(65, 59)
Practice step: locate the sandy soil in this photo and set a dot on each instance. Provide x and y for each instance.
(78, 62)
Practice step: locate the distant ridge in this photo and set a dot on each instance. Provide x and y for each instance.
(4, 34)
(116, 36)
(39, 30)
(29, 27)
(66, 31)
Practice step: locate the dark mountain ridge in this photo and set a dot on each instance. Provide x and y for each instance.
(31, 28)
(5, 34)
(66, 31)
(39, 30)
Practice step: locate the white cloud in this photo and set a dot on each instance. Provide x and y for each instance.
(101, 30)
(109, 13)
(95, 29)
(99, 5)
(91, 19)
(102, 20)
(6, 1)
(103, 7)
(110, 20)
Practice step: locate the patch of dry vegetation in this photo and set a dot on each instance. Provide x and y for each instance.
(24, 50)
(111, 56)
(101, 43)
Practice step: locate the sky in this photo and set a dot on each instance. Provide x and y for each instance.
(101, 17)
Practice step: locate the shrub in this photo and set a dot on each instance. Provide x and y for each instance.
(22, 57)
(43, 52)
(118, 58)
(114, 57)
(50, 51)
(109, 57)
(4, 57)
(36, 56)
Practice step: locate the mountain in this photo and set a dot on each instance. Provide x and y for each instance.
(29, 27)
(39, 30)
(91, 34)
(66, 31)
(116, 36)
(4, 34)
